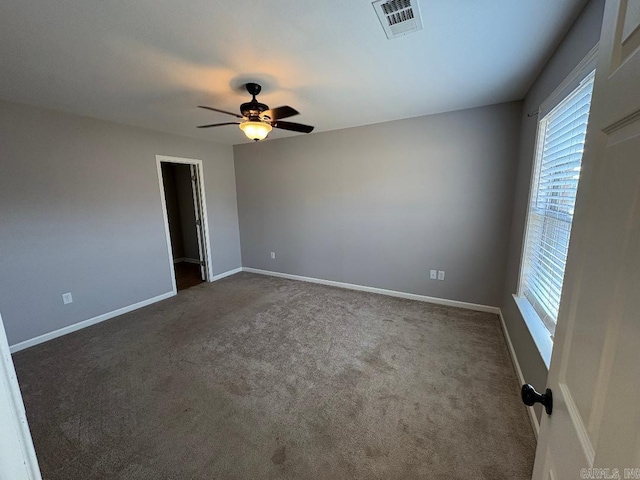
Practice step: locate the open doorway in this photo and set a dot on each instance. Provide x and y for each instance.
(184, 208)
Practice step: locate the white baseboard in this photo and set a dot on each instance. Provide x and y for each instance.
(516, 365)
(228, 273)
(106, 316)
(381, 291)
(86, 323)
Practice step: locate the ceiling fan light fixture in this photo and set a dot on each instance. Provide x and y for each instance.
(255, 130)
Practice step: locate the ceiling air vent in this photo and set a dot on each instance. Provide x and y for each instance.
(398, 17)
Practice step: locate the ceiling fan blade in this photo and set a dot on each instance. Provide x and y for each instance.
(221, 111)
(281, 112)
(294, 127)
(219, 124)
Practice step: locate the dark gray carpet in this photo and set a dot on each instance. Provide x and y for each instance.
(256, 377)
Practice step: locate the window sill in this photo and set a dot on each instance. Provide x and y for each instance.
(539, 332)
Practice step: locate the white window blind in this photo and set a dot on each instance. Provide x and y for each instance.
(561, 137)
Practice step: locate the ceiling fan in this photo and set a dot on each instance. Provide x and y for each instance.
(258, 119)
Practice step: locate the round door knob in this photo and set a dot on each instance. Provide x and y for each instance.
(531, 397)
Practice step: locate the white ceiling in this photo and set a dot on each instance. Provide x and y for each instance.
(149, 63)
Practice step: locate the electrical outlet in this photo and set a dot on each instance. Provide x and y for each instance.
(273, 255)
(433, 274)
(67, 298)
(440, 274)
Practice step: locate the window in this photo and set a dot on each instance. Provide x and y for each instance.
(560, 143)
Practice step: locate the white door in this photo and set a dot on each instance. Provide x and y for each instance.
(17, 456)
(594, 430)
(197, 206)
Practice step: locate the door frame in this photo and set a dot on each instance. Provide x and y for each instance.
(18, 459)
(199, 214)
(160, 159)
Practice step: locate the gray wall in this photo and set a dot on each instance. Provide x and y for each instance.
(383, 204)
(580, 39)
(80, 212)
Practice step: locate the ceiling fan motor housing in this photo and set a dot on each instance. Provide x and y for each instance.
(253, 109)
